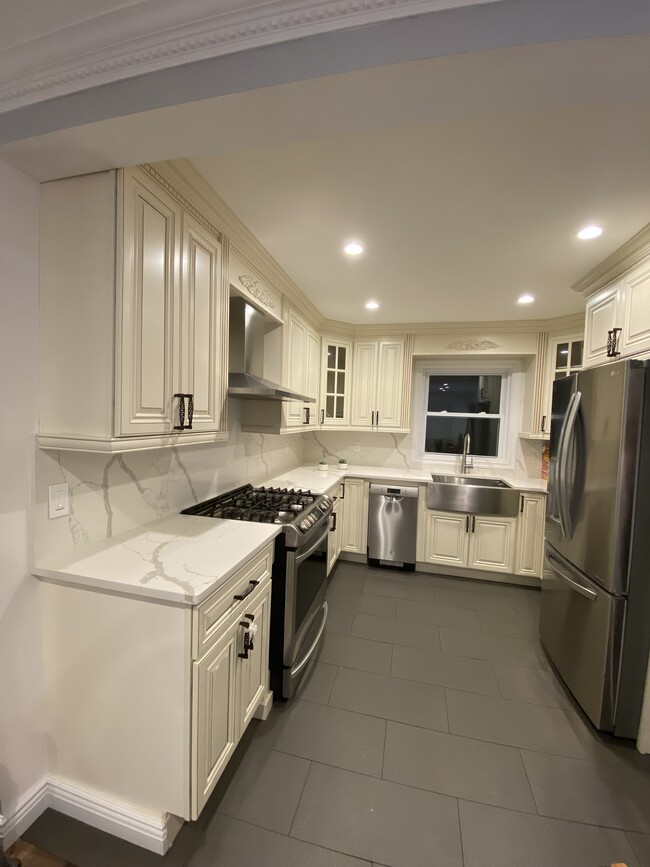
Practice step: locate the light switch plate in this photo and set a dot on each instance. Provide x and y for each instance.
(357, 448)
(59, 500)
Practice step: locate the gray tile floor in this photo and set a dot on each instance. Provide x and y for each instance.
(432, 733)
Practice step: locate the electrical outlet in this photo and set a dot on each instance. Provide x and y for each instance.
(59, 500)
(357, 448)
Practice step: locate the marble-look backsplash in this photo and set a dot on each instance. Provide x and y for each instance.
(384, 449)
(110, 494)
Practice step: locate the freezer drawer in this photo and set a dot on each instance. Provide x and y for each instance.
(581, 627)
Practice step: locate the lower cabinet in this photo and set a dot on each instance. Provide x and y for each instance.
(336, 530)
(530, 535)
(469, 541)
(177, 691)
(354, 536)
(229, 683)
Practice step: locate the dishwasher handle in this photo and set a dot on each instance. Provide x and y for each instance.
(393, 492)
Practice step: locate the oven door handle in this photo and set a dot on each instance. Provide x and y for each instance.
(301, 557)
(303, 662)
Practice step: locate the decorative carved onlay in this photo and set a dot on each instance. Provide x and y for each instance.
(473, 345)
(182, 201)
(253, 287)
(96, 59)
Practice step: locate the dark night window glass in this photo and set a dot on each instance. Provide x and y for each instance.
(445, 435)
(467, 394)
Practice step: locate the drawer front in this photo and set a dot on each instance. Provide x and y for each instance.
(210, 614)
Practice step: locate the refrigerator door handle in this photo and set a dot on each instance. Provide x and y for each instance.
(564, 450)
(574, 585)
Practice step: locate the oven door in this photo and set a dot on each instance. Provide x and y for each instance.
(305, 607)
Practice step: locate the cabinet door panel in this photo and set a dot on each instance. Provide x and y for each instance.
(334, 538)
(636, 327)
(296, 365)
(492, 543)
(601, 317)
(530, 535)
(355, 517)
(202, 325)
(335, 383)
(254, 671)
(390, 384)
(364, 384)
(445, 538)
(312, 378)
(148, 307)
(215, 722)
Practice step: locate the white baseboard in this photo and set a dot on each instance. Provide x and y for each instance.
(26, 811)
(153, 831)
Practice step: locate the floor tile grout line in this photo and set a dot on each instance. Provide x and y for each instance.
(530, 785)
(460, 833)
(298, 802)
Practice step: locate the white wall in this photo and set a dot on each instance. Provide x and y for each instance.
(22, 738)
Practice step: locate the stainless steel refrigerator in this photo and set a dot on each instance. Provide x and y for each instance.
(595, 613)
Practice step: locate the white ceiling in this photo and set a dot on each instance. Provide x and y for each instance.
(467, 181)
(467, 176)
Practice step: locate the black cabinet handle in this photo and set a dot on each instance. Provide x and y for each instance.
(543, 424)
(248, 638)
(342, 490)
(467, 523)
(322, 416)
(333, 527)
(473, 523)
(247, 592)
(612, 343)
(181, 410)
(521, 504)
(305, 415)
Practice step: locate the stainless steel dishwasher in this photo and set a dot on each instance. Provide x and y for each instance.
(392, 526)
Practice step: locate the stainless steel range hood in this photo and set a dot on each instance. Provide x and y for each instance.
(246, 353)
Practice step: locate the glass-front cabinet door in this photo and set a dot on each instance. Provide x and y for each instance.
(565, 357)
(335, 383)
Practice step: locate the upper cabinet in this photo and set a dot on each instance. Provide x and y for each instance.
(336, 382)
(617, 320)
(565, 355)
(133, 317)
(302, 344)
(380, 385)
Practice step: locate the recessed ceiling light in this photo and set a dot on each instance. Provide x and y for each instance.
(354, 248)
(372, 305)
(589, 232)
(525, 299)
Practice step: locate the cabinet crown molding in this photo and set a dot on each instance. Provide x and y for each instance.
(141, 37)
(628, 255)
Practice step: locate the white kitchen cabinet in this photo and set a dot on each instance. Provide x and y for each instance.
(491, 543)
(455, 539)
(445, 538)
(302, 348)
(336, 530)
(635, 288)
(336, 380)
(530, 535)
(133, 314)
(215, 714)
(565, 356)
(181, 674)
(603, 314)
(354, 537)
(379, 399)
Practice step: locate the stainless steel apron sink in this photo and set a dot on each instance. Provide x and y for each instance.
(472, 495)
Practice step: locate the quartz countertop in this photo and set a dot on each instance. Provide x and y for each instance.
(321, 482)
(178, 558)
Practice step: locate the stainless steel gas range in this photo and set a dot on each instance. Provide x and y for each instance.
(298, 606)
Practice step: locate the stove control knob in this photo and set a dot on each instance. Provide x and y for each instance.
(304, 525)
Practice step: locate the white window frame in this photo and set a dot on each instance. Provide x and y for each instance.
(510, 372)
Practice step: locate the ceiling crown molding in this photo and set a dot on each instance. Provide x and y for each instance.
(145, 37)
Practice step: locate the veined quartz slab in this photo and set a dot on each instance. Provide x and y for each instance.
(179, 558)
(320, 482)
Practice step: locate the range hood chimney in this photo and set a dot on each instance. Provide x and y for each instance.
(246, 355)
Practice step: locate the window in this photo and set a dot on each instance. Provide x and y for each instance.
(463, 404)
(472, 396)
